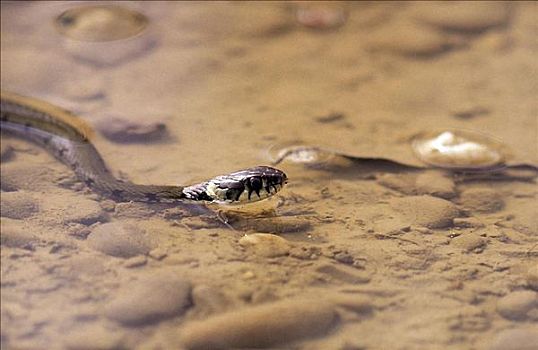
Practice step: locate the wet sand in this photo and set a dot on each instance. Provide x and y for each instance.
(347, 256)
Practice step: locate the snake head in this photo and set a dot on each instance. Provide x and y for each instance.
(246, 186)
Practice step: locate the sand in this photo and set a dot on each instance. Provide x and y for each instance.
(347, 256)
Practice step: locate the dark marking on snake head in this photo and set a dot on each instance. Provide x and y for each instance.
(89, 182)
(256, 185)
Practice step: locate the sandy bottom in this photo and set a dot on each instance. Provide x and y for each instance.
(350, 255)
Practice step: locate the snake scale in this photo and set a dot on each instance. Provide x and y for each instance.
(67, 138)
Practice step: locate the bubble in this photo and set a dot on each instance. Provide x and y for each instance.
(100, 23)
(459, 149)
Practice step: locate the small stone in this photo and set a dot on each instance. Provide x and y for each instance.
(157, 254)
(21, 176)
(344, 257)
(108, 205)
(93, 336)
(423, 230)
(470, 242)
(410, 40)
(127, 131)
(404, 183)
(427, 211)
(285, 224)
(150, 300)
(435, 184)
(265, 244)
(132, 210)
(344, 273)
(463, 16)
(516, 339)
(135, 261)
(320, 16)
(482, 200)
(468, 223)
(79, 230)
(69, 207)
(18, 205)
(532, 277)
(120, 240)
(262, 326)
(516, 305)
(14, 234)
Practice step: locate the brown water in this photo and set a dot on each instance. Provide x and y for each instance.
(360, 255)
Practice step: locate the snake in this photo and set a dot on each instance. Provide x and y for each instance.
(67, 138)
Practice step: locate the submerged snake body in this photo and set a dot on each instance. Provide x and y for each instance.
(67, 138)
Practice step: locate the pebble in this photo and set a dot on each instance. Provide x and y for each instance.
(18, 205)
(431, 183)
(344, 258)
(208, 301)
(463, 16)
(468, 223)
(120, 240)
(157, 254)
(343, 273)
(14, 234)
(470, 242)
(122, 130)
(404, 183)
(150, 300)
(69, 207)
(135, 261)
(284, 224)
(435, 184)
(93, 336)
(265, 244)
(516, 305)
(133, 210)
(483, 200)
(532, 277)
(427, 211)
(516, 339)
(263, 326)
(410, 40)
(22, 176)
(321, 17)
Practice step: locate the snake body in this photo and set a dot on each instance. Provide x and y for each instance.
(68, 139)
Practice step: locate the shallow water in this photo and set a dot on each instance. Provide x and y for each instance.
(355, 248)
